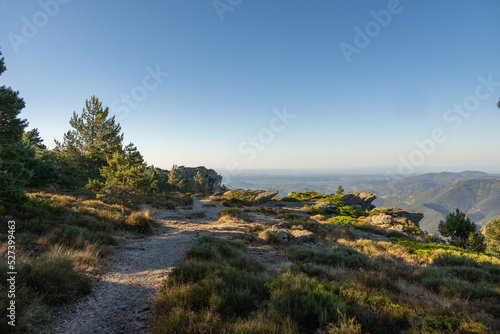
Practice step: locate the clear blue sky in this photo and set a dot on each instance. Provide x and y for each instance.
(364, 80)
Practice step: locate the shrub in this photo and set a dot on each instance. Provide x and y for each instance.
(270, 237)
(214, 284)
(312, 210)
(342, 220)
(298, 197)
(234, 213)
(141, 222)
(310, 303)
(492, 233)
(56, 279)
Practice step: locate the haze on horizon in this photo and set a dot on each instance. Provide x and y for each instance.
(398, 86)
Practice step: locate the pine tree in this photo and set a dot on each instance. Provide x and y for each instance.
(122, 179)
(94, 136)
(340, 190)
(132, 155)
(199, 185)
(182, 184)
(173, 178)
(13, 153)
(461, 232)
(34, 139)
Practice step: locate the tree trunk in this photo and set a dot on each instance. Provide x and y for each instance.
(124, 212)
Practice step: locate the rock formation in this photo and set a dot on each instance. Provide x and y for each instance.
(214, 180)
(264, 196)
(360, 200)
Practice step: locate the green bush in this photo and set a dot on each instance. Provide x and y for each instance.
(342, 220)
(312, 210)
(492, 233)
(310, 303)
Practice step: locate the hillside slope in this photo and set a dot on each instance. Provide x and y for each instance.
(478, 198)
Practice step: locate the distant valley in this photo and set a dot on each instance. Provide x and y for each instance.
(433, 194)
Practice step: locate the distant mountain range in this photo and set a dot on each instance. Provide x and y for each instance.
(478, 198)
(420, 183)
(433, 194)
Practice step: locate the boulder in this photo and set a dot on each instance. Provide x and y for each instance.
(381, 219)
(364, 199)
(265, 196)
(402, 216)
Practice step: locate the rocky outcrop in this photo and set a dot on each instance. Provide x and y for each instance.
(214, 180)
(360, 200)
(402, 216)
(265, 196)
(327, 207)
(386, 221)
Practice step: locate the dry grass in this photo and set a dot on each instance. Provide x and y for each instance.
(380, 250)
(62, 242)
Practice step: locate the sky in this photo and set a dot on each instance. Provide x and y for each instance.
(399, 86)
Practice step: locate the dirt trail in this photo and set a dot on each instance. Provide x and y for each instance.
(121, 301)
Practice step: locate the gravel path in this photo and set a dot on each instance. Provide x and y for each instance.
(122, 300)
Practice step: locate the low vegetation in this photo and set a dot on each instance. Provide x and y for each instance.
(352, 287)
(492, 236)
(234, 213)
(62, 244)
(237, 197)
